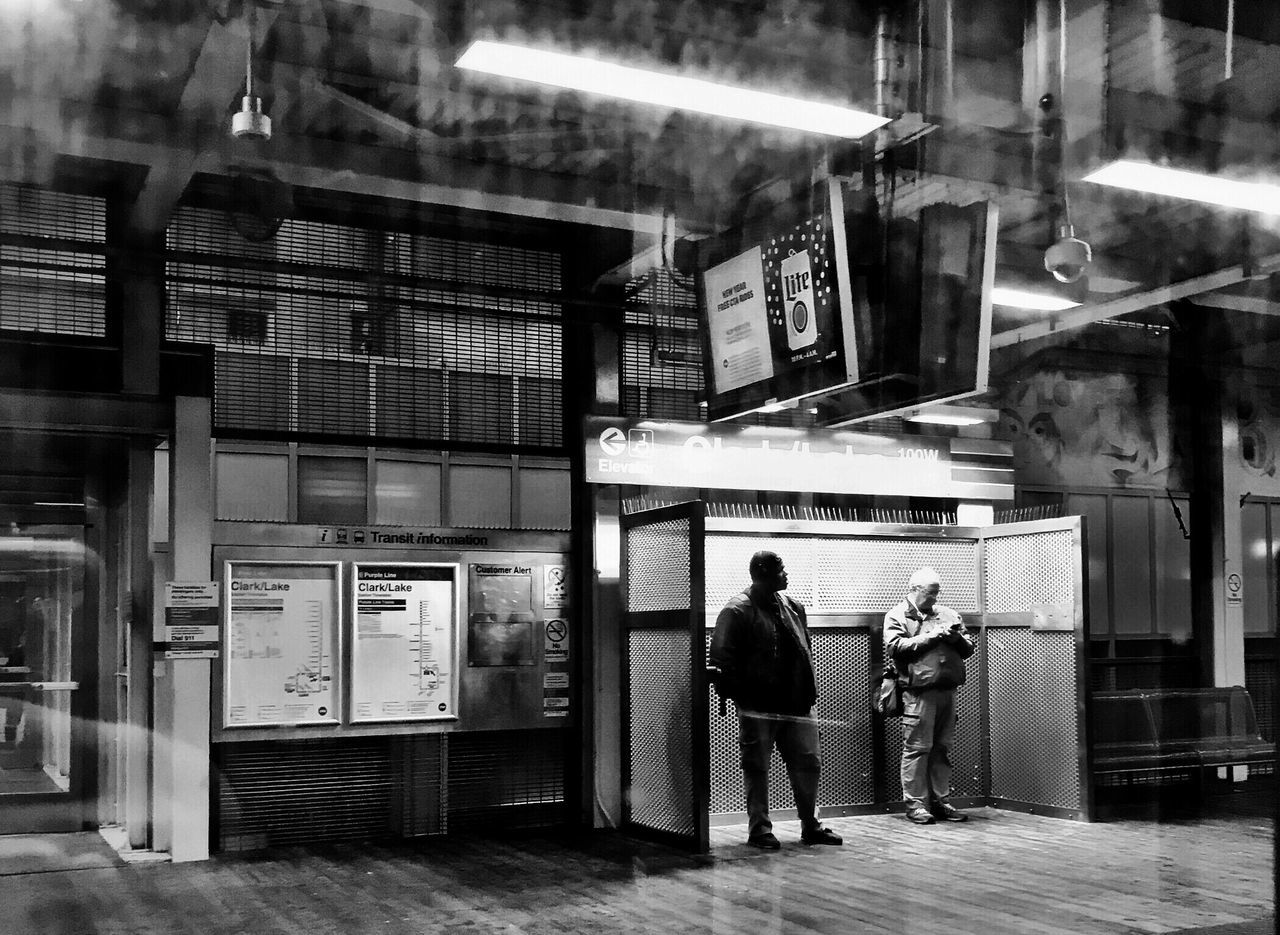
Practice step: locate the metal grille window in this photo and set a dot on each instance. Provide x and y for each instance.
(344, 331)
(661, 351)
(52, 262)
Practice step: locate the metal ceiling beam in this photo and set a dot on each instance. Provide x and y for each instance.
(1126, 305)
(325, 164)
(85, 413)
(1255, 304)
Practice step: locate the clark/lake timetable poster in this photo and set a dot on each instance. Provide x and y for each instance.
(281, 644)
(403, 646)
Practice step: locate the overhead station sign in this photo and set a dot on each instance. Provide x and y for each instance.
(695, 454)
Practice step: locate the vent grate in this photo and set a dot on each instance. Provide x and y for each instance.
(506, 779)
(289, 792)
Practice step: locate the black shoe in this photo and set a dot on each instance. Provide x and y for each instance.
(945, 811)
(920, 815)
(820, 835)
(766, 841)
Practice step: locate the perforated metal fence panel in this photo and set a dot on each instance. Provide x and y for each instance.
(841, 661)
(658, 566)
(662, 790)
(1037, 673)
(353, 332)
(52, 262)
(1034, 746)
(845, 574)
(1030, 571)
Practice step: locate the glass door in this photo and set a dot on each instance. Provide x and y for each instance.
(46, 639)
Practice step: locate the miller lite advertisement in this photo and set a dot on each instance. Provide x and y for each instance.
(778, 323)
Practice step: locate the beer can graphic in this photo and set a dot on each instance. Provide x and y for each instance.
(797, 300)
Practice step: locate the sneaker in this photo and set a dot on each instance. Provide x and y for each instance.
(820, 835)
(920, 815)
(945, 811)
(766, 841)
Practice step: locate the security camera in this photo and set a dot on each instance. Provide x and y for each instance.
(1069, 257)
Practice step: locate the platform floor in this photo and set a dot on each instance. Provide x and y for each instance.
(1002, 873)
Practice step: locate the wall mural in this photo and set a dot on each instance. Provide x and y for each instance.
(1258, 412)
(1082, 429)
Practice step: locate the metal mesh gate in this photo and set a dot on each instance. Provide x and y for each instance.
(665, 722)
(1035, 753)
(1037, 674)
(841, 657)
(660, 759)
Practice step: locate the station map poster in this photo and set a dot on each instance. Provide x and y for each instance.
(281, 642)
(403, 647)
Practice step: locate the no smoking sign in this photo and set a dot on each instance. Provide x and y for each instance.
(557, 640)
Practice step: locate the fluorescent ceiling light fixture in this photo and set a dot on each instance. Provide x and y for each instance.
(1194, 186)
(593, 76)
(1038, 301)
(944, 418)
(952, 415)
(58, 503)
(772, 407)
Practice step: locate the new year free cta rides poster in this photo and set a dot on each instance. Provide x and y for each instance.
(403, 649)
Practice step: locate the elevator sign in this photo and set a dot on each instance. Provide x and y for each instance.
(697, 454)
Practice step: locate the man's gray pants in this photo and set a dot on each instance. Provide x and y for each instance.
(928, 730)
(796, 737)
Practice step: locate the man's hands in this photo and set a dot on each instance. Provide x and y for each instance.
(947, 633)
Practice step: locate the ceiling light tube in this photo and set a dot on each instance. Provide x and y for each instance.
(1037, 301)
(942, 418)
(1194, 186)
(953, 415)
(593, 76)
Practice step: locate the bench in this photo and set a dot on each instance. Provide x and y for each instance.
(1158, 736)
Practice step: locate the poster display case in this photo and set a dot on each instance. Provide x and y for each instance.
(404, 641)
(281, 642)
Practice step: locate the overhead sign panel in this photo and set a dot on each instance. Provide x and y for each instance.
(778, 320)
(695, 454)
(859, 312)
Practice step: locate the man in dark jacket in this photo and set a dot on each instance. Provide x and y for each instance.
(761, 649)
(928, 643)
